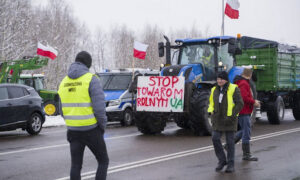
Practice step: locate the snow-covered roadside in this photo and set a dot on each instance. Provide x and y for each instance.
(54, 121)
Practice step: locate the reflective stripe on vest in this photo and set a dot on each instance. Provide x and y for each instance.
(76, 102)
(230, 92)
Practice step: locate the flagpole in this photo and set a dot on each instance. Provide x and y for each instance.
(223, 14)
(132, 93)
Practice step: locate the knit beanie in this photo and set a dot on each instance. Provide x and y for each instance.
(85, 58)
(223, 75)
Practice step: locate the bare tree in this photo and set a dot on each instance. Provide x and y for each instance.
(99, 43)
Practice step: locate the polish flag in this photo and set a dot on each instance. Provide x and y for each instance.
(46, 51)
(139, 50)
(231, 9)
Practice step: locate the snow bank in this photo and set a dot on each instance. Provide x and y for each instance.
(54, 121)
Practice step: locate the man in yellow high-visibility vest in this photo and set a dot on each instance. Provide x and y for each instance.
(83, 108)
(225, 103)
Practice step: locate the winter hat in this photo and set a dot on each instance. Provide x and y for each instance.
(85, 58)
(223, 75)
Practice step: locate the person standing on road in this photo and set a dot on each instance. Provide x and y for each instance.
(225, 103)
(244, 133)
(83, 108)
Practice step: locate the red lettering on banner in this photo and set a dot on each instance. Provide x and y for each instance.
(152, 102)
(150, 93)
(162, 92)
(138, 90)
(169, 92)
(138, 100)
(175, 79)
(153, 81)
(156, 93)
(164, 81)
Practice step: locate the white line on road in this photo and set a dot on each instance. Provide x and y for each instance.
(66, 144)
(136, 164)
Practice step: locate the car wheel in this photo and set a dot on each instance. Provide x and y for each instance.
(34, 125)
(127, 118)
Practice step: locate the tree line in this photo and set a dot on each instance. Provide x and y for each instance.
(23, 25)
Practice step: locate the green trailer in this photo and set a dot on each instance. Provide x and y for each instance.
(276, 75)
(10, 72)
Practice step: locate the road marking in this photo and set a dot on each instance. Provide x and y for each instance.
(154, 160)
(67, 144)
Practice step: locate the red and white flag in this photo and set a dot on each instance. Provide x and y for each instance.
(231, 9)
(139, 50)
(46, 51)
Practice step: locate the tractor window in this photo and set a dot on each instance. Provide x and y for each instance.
(200, 53)
(224, 58)
(26, 81)
(39, 83)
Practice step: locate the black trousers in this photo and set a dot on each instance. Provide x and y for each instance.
(216, 138)
(94, 140)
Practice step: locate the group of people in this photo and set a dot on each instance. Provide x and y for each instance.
(83, 108)
(231, 105)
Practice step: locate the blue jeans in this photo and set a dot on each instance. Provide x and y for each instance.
(219, 150)
(245, 132)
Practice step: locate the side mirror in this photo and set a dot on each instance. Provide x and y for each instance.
(161, 50)
(233, 47)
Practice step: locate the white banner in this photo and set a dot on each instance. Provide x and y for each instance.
(160, 93)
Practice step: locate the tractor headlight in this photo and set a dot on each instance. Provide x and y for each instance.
(114, 102)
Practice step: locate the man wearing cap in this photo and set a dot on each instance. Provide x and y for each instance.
(225, 103)
(83, 108)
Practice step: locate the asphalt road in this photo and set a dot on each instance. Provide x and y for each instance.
(173, 155)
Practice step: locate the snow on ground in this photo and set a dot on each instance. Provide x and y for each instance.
(54, 121)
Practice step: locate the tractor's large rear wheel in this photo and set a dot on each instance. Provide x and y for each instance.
(150, 123)
(200, 122)
(182, 121)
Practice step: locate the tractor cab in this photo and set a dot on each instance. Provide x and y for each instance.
(200, 59)
(34, 80)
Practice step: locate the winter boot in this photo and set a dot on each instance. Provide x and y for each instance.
(246, 153)
(220, 166)
(230, 168)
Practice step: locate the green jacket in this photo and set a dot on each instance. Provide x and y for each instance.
(219, 118)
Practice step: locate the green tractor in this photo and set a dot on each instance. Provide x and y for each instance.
(10, 72)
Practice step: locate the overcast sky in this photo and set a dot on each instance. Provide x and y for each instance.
(269, 19)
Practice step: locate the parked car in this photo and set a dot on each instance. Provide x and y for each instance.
(20, 107)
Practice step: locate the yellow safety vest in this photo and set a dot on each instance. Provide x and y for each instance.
(207, 59)
(230, 91)
(76, 102)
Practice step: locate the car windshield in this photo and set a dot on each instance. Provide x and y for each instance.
(115, 81)
(104, 79)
